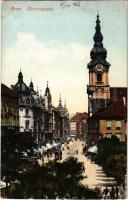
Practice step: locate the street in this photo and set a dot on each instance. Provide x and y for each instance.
(94, 176)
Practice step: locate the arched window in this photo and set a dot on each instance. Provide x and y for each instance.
(99, 77)
(27, 124)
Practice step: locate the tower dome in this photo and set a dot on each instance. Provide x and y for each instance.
(20, 86)
(98, 53)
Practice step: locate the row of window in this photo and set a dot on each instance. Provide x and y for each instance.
(26, 111)
(117, 125)
(9, 122)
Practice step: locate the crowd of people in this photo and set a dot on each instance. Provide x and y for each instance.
(114, 192)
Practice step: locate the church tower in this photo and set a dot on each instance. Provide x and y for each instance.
(48, 95)
(98, 89)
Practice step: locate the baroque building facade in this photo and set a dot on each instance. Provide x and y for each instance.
(98, 89)
(106, 105)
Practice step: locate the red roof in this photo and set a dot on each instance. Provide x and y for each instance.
(6, 91)
(79, 117)
(113, 111)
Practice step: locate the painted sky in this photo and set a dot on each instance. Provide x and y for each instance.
(55, 45)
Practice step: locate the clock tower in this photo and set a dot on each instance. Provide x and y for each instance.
(98, 89)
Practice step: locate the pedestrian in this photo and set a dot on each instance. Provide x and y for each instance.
(60, 155)
(112, 193)
(50, 154)
(105, 192)
(121, 191)
(36, 164)
(117, 191)
(83, 168)
(42, 159)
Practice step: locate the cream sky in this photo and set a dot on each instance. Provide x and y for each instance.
(55, 46)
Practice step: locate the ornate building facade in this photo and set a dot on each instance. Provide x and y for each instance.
(37, 115)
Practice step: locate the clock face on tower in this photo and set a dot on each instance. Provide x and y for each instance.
(99, 67)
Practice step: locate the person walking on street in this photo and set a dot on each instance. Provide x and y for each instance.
(121, 191)
(105, 192)
(117, 191)
(42, 159)
(112, 193)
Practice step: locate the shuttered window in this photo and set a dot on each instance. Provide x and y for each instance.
(108, 125)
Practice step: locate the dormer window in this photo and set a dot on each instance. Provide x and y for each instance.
(99, 77)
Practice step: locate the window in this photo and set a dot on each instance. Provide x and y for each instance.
(118, 135)
(27, 125)
(108, 135)
(99, 77)
(118, 125)
(27, 112)
(108, 125)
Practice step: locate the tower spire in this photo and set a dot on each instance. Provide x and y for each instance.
(37, 90)
(98, 53)
(31, 84)
(20, 76)
(47, 91)
(98, 37)
(60, 102)
(65, 103)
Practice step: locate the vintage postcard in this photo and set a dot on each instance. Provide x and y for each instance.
(63, 99)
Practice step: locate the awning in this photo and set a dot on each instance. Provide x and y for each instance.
(93, 149)
(43, 148)
(48, 146)
(54, 145)
(2, 184)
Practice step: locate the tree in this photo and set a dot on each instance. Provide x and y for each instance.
(55, 180)
(116, 166)
(12, 146)
(108, 147)
(112, 156)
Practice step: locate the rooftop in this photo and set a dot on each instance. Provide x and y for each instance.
(116, 110)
